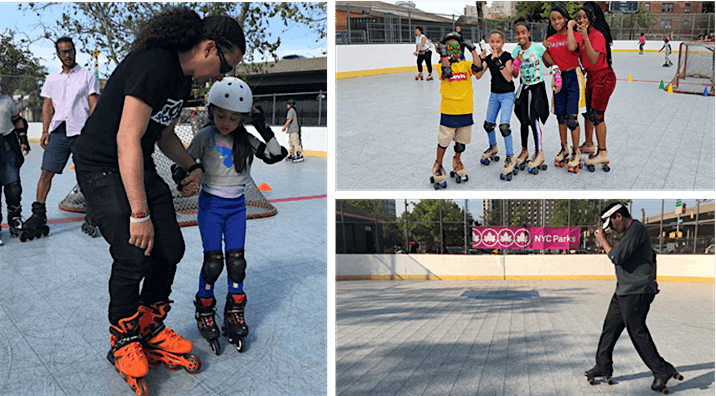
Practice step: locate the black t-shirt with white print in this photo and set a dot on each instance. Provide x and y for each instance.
(498, 83)
(153, 76)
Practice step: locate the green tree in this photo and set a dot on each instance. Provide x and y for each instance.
(20, 72)
(112, 26)
(579, 212)
(538, 11)
(424, 224)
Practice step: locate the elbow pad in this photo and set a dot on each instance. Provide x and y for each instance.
(477, 69)
(266, 156)
(447, 72)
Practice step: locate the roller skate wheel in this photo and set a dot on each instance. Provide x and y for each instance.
(556, 163)
(437, 187)
(484, 161)
(240, 344)
(153, 363)
(215, 347)
(452, 173)
(195, 363)
(496, 158)
(535, 171)
(502, 176)
(544, 167)
(432, 180)
(22, 238)
(590, 168)
(171, 367)
(610, 381)
(581, 165)
(465, 178)
(458, 179)
(590, 380)
(606, 168)
(142, 388)
(679, 377)
(46, 231)
(522, 167)
(561, 164)
(514, 172)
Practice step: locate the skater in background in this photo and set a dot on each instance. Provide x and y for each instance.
(563, 47)
(502, 99)
(455, 107)
(531, 102)
(226, 150)
(642, 42)
(667, 52)
(424, 54)
(71, 95)
(13, 146)
(294, 132)
(131, 203)
(635, 266)
(596, 59)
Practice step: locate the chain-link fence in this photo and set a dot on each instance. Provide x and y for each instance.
(25, 91)
(386, 25)
(445, 226)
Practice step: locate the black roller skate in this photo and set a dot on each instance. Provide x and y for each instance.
(659, 383)
(91, 229)
(206, 321)
(598, 372)
(234, 325)
(36, 225)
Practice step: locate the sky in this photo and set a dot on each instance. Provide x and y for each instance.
(652, 207)
(443, 7)
(295, 39)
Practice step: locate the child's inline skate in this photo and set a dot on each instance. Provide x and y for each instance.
(234, 325)
(509, 168)
(126, 354)
(205, 316)
(438, 177)
(561, 158)
(36, 225)
(161, 344)
(575, 161)
(536, 163)
(600, 158)
(458, 172)
(489, 155)
(522, 159)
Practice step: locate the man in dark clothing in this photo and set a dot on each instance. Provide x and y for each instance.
(635, 264)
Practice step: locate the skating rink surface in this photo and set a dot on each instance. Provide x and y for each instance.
(53, 300)
(510, 338)
(387, 128)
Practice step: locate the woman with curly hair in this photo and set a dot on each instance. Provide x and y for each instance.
(132, 205)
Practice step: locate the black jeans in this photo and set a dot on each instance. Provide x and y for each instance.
(427, 56)
(110, 210)
(630, 312)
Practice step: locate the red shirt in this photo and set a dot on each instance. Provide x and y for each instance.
(561, 54)
(599, 44)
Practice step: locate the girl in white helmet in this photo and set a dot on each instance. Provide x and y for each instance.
(226, 151)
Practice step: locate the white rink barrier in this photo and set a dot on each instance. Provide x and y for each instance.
(672, 267)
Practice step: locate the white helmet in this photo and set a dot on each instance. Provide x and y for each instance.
(231, 94)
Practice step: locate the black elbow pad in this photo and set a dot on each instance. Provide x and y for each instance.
(477, 69)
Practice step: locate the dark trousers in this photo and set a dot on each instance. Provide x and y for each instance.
(630, 312)
(107, 199)
(427, 57)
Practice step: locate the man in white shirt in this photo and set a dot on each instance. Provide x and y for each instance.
(71, 94)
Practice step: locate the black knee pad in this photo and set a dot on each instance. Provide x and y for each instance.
(213, 264)
(236, 265)
(571, 121)
(561, 120)
(489, 127)
(596, 117)
(13, 193)
(459, 147)
(505, 130)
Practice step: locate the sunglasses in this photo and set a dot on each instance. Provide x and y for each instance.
(66, 52)
(225, 66)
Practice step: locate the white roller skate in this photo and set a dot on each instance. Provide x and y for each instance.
(419, 76)
(600, 158)
(458, 172)
(430, 77)
(522, 159)
(575, 161)
(536, 163)
(561, 158)
(509, 168)
(489, 155)
(438, 177)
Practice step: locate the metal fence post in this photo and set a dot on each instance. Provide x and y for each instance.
(410, 25)
(320, 105)
(273, 111)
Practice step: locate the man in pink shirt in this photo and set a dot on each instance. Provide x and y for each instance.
(71, 95)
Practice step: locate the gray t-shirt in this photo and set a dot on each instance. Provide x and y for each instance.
(216, 153)
(633, 260)
(293, 126)
(8, 109)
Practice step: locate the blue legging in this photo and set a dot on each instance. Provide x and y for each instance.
(500, 103)
(221, 218)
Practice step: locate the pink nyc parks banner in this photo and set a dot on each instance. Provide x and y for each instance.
(525, 238)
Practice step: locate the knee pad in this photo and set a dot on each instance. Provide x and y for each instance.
(236, 265)
(596, 117)
(13, 192)
(571, 122)
(213, 264)
(505, 130)
(459, 147)
(489, 127)
(561, 120)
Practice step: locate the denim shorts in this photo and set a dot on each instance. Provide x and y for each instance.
(58, 150)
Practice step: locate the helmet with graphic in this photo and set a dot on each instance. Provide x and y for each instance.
(231, 94)
(453, 43)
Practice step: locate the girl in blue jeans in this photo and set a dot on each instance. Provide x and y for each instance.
(502, 99)
(226, 150)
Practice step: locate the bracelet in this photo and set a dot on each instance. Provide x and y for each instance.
(139, 215)
(139, 219)
(196, 166)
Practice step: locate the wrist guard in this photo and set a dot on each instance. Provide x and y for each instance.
(516, 65)
(179, 174)
(446, 71)
(259, 122)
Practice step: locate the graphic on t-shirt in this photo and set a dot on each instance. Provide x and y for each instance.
(531, 70)
(460, 76)
(169, 112)
(225, 154)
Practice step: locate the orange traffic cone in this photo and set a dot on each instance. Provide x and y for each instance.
(265, 187)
